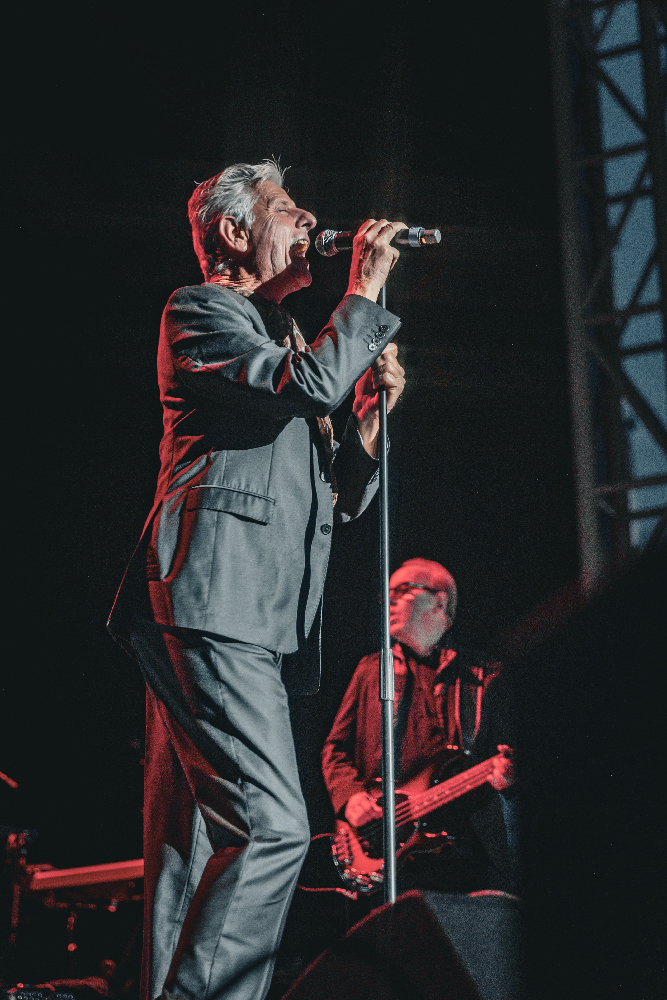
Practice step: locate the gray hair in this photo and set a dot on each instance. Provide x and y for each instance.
(231, 192)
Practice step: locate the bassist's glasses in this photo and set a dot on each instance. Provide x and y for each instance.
(405, 588)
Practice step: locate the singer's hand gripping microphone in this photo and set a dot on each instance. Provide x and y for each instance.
(329, 242)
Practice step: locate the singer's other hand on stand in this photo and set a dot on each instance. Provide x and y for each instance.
(385, 371)
(373, 257)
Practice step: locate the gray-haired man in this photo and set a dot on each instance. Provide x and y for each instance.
(228, 576)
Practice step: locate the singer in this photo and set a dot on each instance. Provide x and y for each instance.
(222, 601)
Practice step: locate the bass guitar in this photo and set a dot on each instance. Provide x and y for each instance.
(357, 852)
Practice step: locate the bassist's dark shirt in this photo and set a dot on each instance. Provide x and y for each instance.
(352, 753)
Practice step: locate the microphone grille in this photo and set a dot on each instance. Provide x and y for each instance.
(324, 243)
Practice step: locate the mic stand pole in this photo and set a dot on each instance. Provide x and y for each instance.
(386, 664)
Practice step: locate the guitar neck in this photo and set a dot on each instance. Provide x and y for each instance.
(446, 791)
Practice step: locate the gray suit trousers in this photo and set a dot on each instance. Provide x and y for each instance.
(225, 824)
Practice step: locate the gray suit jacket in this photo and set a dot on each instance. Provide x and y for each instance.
(238, 540)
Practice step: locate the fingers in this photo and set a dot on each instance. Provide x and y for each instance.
(372, 257)
(389, 230)
(387, 370)
(503, 772)
(361, 808)
(392, 378)
(389, 381)
(365, 226)
(390, 364)
(380, 230)
(391, 350)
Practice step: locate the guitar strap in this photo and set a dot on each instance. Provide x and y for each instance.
(464, 700)
(455, 723)
(454, 728)
(401, 713)
(452, 724)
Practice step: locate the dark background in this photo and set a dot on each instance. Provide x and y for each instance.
(435, 114)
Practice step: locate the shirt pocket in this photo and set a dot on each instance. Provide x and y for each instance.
(242, 503)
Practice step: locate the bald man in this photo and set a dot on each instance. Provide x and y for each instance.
(444, 697)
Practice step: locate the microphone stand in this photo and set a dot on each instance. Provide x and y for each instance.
(386, 663)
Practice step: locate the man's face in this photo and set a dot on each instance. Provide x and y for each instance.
(279, 235)
(417, 616)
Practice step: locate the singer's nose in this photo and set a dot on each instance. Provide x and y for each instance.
(306, 220)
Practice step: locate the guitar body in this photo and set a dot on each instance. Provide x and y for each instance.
(421, 821)
(357, 852)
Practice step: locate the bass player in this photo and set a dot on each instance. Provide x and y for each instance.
(449, 703)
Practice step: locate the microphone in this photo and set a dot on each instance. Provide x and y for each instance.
(329, 242)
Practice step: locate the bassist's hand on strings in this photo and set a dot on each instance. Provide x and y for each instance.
(361, 808)
(503, 769)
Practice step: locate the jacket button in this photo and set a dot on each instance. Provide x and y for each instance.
(324, 477)
(325, 528)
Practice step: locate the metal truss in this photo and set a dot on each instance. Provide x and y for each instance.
(608, 70)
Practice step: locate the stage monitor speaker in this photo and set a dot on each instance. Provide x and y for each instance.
(427, 946)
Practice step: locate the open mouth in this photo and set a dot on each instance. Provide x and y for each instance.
(299, 248)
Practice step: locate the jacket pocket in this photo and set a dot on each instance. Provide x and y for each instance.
(250, 506)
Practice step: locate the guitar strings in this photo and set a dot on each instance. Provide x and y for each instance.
(454, 787)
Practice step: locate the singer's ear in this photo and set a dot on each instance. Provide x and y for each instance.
(233, 237)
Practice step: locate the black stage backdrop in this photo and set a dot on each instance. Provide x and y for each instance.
(435, 114)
